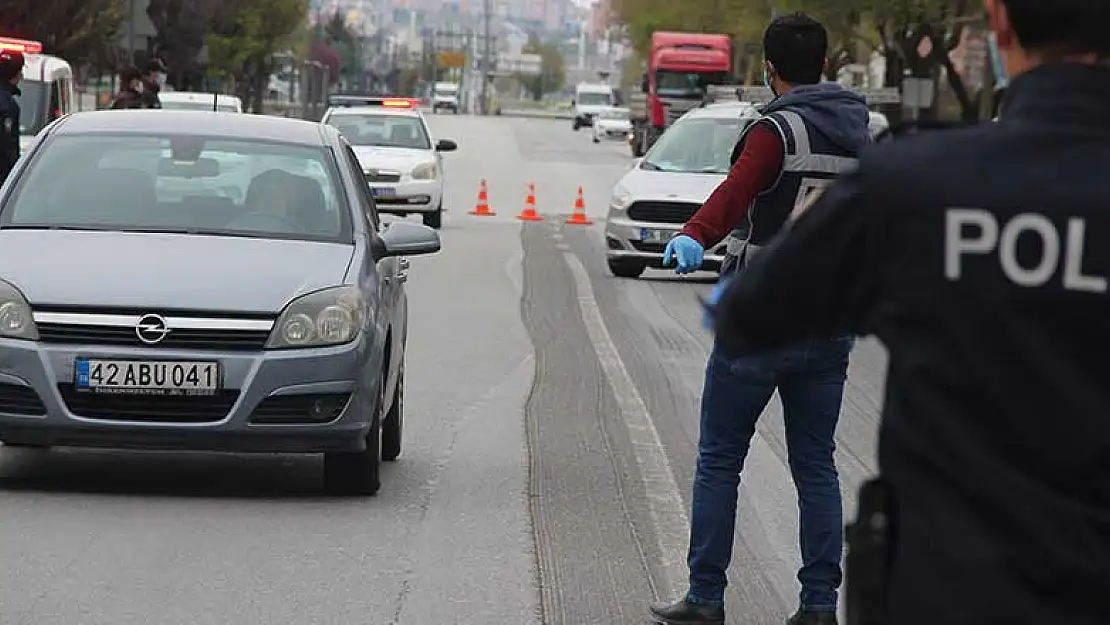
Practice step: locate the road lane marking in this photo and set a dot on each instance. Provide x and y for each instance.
(668, 513)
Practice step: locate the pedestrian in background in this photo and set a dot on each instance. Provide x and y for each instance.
(130, 94)
(811, 133)
(11, 70)
(978, 256)
(154, 76)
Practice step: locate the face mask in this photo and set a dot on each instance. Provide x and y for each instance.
(160, 77)
(767, 81)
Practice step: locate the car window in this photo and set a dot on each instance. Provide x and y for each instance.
(696, 146)
(382, 130)
(364, 199)
(182, 184)
(595, 99)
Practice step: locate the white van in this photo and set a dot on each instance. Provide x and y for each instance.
(445, 95)
(199, 101)
(590, 100)
(47, 91)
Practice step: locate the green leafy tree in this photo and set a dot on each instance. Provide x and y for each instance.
(552, 69)
(80, 31)
(181, 26)
(244, 38)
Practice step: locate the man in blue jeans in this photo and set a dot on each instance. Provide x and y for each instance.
(811, 133)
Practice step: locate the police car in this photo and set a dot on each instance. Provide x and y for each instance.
(47, 89)
(402, 163)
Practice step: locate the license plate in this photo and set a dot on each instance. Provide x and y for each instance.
(652, 235)
(383, 191)
(141, 377)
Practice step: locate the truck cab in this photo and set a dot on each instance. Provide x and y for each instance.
(590, 100)
(47, 90)
(680, 67)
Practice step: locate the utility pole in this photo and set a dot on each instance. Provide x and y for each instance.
(486, 10)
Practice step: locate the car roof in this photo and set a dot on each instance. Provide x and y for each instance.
(196, 96)
(356, 111)
(157, 121)
(724, 110)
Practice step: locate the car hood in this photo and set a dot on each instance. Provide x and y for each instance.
(401, 159)
(167, 271)
(642, 184)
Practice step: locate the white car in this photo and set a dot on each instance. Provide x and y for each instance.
(199, 101)
(651, 202)
(612, 123)
(402, 163)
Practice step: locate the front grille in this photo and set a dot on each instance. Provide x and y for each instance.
(677, 108)
(382, 176)
(654, 248)
(662, 212)
(179, 338)
(15, 399)
(149, 408)
(311, 408)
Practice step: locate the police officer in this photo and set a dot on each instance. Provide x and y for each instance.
(811, 133)
(11, 70)
(152, 79)
(978, 256)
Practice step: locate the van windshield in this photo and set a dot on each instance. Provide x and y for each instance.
(595, 99)
(32, 105)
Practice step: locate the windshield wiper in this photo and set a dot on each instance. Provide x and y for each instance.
(651, 166)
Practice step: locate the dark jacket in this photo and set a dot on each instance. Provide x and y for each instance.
(128, 99)
(978, 257)
(149, 96)
(9, 128)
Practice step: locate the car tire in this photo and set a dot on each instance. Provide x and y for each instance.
(394, 423)
(626, 268)
(358, 473)
(576, 124)
(434, 219)
(597, 139)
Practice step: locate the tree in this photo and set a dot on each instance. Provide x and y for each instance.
(552, 69)
(80, 31)
(245, 36)
(181, 26)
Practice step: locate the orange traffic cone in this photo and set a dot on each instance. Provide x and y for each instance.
(529, 213)
(482, 208)
(578, 217)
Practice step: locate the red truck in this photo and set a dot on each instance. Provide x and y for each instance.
(679, 68)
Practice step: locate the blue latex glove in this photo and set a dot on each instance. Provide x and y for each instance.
(688, 251)
(709, 318)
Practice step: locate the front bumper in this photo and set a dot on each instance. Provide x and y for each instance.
(408, 196)
(625, 239)
(289, 401)
(604, 131)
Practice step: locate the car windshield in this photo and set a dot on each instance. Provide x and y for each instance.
(383, 130)
(685, 84)
(32, 106)
(196, 106)
(696, 146)
(181, 184)
(595, 99)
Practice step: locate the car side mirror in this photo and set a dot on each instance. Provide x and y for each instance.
(446, 145)
(403, 238)
(644, 86)
(572, 102)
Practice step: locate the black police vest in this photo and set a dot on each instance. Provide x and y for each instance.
(810, 162)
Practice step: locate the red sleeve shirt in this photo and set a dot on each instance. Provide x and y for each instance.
(757, 168)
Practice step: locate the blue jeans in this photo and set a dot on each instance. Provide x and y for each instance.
(810, 380)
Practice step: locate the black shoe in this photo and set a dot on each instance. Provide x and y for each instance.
(685, 613)
(803, 617)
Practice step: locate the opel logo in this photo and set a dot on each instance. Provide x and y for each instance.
(151, 329)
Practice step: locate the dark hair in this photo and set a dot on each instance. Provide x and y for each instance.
(128, 75)
(1061, 26)
(796, 46)
(11, 63)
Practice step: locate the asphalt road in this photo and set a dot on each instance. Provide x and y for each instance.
(550, 436)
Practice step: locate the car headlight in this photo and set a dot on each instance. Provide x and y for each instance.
(16, 319)
(621, 199)
(425, 171)
(328, 317)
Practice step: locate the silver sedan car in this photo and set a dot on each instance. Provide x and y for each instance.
(186, 281)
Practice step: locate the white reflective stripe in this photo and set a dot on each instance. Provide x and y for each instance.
(174, 323)
(798, 129)
(819, 164)
(735, 246)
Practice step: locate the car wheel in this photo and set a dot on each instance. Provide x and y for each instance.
(394, 422)
(596, 139)
(577, 124)
(626, 268)
(434, 220)
(356, 473)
